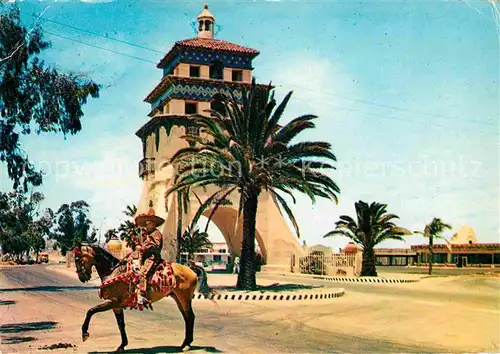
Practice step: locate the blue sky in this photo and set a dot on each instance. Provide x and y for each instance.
(407, 94)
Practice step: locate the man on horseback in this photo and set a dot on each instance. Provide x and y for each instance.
(151, 243)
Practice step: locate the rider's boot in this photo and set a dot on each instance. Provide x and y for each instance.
(141, 300)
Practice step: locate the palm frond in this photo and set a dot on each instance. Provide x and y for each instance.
(340, 232)
(288, 211)
(218, 203)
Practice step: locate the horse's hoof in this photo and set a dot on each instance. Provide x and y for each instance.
(85, 336)
(185, 346)
(120, 349)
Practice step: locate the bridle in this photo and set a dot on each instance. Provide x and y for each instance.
(82, 272)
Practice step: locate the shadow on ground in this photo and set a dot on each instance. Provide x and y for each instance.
(7, 302)
(26, 327)
(17, 340)
(50, 288)
(164, 349)
(273, 287)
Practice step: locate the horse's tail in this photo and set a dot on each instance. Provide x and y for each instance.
(202, 286)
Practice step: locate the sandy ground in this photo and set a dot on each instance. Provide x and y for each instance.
(442, 314)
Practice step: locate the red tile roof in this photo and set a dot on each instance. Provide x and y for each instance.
(474, 247)
(216, 44)
(210, 44)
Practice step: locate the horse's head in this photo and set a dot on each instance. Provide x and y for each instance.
(84, 260)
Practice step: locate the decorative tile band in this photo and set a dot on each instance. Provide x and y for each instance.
(207, 57)
(195, 91)
(203, 92)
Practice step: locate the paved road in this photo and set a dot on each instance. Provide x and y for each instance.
(41, 307)
(413, 291)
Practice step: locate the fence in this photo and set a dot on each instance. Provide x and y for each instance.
(333, 264)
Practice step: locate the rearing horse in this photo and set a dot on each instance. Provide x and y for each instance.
(117, 293)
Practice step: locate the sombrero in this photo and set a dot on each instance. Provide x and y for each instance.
(141, 219)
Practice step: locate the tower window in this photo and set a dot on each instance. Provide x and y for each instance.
(190, 108)
(200, 28)
(208, 25)
(194, 71)
(216, 70)
(237, 75)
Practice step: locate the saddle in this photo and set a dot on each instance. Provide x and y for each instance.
(161, 280)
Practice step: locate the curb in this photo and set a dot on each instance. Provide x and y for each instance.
(367, 280)
(272, 296)
(374, 280)
(320, 294)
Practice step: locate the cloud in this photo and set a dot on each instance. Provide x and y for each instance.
(315, 81)
(419, 170)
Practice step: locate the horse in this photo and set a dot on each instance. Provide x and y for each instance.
(117, 293)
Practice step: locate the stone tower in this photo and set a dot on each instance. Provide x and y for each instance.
(194, 70)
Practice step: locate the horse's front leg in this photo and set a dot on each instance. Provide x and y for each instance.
(120, 319)
(105, 306)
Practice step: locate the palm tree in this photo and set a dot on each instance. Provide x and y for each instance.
(373, 226)
(243, 149)
(128, 230)
(433, 231)
(193, 240)
(108, 235)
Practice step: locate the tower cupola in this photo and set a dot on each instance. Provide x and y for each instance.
(206, 23)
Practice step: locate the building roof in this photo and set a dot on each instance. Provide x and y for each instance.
(216, 44)
(205, 13)
(466, 234)
(320, 248)
(461, 248)
(207, 44)
(351, 248)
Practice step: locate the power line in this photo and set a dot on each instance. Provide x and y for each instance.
(104, 36)
(303, 88)
(95, 46)
(298, 98)
(391, 107)
(340, 108)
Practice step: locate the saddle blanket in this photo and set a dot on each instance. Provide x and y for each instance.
(162, 280)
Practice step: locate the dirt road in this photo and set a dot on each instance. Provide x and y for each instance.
(41, 307)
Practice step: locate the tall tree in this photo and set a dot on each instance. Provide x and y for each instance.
(434, 231)
(41, 231)
(23, 227)
(373, 226)
(73, 225)
(33, 96)
(244, 149)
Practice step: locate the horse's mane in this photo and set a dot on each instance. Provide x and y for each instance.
(101, 252)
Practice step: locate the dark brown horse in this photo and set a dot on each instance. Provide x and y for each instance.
(117, 295)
